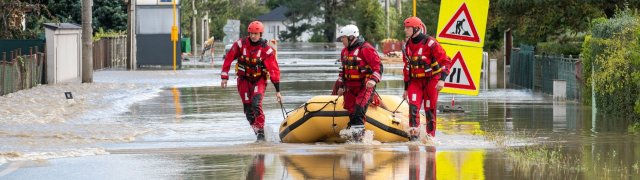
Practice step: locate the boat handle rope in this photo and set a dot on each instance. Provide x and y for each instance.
(283, 110)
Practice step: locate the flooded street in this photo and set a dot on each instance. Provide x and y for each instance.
(191, 128)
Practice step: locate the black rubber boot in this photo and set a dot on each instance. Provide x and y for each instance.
(430, 123)
(260, 135)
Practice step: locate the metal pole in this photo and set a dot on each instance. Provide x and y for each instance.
(414, 7)
(87, 42)
(173, 34)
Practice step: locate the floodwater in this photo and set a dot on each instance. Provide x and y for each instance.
(200, 132)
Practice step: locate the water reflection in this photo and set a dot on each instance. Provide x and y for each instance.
(176, 102)
(406, 162)
(256, 171)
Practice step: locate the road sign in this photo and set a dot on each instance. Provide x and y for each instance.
(463, 22)
(464, 73)
(231, 31)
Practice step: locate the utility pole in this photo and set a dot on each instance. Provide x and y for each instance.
(204, 36)
(87, 42)
(205, 27)
(131, 38)
(194, 31)
(399, 7)
(386, 13)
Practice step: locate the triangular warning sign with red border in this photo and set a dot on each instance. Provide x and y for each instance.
(458, 79)
(464, 25)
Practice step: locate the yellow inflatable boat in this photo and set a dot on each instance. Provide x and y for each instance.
(322, 118)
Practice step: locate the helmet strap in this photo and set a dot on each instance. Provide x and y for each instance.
(416, 30)
(413, 33)
(351, 39)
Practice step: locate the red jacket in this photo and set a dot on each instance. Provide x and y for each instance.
(422, 50)
(261, 51)
(366, 59)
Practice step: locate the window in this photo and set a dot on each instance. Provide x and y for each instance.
(165, 1)
(154, 20)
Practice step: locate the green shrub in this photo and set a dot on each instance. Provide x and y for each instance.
(613, 51)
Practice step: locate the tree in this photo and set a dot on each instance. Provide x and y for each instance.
(370, 20)
(272, 4)
(299, 18)
(612, 51)
(219, 12)
(426, 10)
(110, 15)
(67, 11)
(11, 17)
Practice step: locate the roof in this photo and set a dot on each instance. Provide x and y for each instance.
(277, 14)
(56, 26)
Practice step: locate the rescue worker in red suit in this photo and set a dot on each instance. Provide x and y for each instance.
(425, 69)
(360, 72)
(256, 63)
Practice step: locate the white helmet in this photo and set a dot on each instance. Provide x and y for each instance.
(349, 30)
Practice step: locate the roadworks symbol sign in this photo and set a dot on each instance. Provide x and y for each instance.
(461, 26)
(459, 76)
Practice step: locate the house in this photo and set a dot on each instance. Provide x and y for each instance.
(276, 22)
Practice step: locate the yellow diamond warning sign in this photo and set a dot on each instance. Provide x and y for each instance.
(464, 73)
(463, 22)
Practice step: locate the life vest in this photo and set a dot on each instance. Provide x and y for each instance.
(422, 63)
(250, 65)
(353, 67)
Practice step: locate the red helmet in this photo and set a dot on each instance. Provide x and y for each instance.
(255, 27)
(412, 22)
(415, 22)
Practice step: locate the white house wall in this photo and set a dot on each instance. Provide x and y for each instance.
(272, 29)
